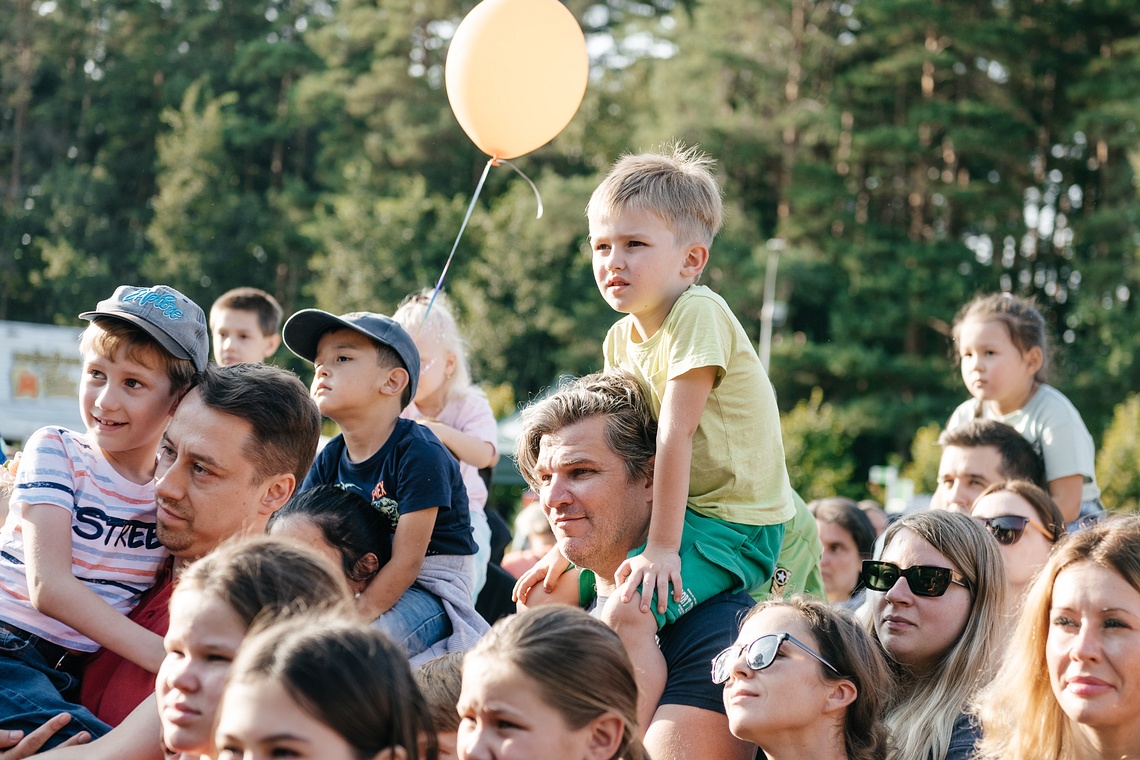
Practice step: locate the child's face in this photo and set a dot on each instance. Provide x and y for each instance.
(502, 716)
(260, 720)
(238, 338)
(125, 404)
(203, 637)
(437, 365)
(993, 369)
(640, 266)
(348, 377)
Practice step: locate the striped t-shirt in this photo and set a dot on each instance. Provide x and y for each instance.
(114, 549)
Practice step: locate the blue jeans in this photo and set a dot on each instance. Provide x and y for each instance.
(32, 691)
(415, 622)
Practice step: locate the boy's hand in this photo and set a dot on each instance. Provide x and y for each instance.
(548, 569)
(654, 568)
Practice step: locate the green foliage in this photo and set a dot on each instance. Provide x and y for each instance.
(1117, 472)
(925, 456)
(817, 446)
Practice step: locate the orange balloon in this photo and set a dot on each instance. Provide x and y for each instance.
(515, 74)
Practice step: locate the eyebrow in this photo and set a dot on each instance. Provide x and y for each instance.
(196, 456)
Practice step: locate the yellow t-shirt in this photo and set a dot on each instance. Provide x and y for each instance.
(737, 472)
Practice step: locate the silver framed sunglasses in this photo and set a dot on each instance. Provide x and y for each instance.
(760, 654)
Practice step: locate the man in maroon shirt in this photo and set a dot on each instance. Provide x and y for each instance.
(238, 445)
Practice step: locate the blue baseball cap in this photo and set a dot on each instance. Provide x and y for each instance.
(172, 319)
(304, 329)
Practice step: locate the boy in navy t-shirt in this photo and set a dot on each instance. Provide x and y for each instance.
(366, 371)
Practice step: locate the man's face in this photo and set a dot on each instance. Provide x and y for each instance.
(205, 484)
(597, 512)
(963, 474)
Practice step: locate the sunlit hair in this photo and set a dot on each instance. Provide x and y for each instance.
(1021, 318)
(846, 514)
(263, 576)
(104, 336)
(1021, 718)
(285, 421)
(441, 324)
(925, 706)
(346, 675)
(631, 431)
(348, 523)
(1018, 459)
(440, 681)
(676, 184)
(840, 640)
(1048, 513)
(578, 664)
(259, 302)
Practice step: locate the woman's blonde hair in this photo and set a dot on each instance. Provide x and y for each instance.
(850, 649)
(579, 665)
(1020, 716)
(925, 706)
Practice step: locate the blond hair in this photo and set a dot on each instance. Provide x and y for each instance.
(415, 317)
(925, 707)
(1020, 716)
(676, 184)
(440, 681)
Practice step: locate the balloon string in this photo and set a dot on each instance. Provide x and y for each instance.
(532, 186)
(455, 245)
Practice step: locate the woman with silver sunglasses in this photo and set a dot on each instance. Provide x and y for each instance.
(1027, 525)
(937, 604)
(804, 680)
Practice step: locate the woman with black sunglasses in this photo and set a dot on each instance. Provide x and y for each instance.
(1027, 525)
(937, 601)
(803, 680)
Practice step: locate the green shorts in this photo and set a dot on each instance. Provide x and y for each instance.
(716, 556)
(797, 569)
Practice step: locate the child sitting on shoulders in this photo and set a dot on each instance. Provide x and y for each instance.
(1000, 341)
(79, 546)
(367, 369)
(719, 470)
(452, 407)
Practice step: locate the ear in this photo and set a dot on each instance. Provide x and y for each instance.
(392, 753)
(276, 491)
(395, 381)
(842, 694)
(449, 365)
(367, 566)
(649, 477)
(272, 343)
(1034, 358)
(695, 259)
(606, 732)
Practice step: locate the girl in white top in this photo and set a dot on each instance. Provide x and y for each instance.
(452, 407)
(1001, 343)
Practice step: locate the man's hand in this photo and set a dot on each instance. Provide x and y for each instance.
(653, 569)
(20, 746)
(548, 570)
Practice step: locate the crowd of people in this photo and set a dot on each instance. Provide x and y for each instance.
(195, 576)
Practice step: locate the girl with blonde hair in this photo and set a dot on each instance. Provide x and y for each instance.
(1069, 685)
(937, 600)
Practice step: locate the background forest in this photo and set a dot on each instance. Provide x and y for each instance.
(898, 157)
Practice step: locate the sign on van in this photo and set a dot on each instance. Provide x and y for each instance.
(40, 369)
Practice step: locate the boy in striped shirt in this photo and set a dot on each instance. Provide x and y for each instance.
(79, 546)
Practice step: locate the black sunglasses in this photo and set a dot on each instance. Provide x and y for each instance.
(923, 580)
(759, 654)
(1008, 529)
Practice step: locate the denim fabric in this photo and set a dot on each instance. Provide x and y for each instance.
(32, 691)
(415, 622)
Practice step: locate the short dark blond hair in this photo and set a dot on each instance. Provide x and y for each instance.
(631, 431)
(676, 184)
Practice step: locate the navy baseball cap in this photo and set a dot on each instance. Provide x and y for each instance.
(172, 319)
(304, 329)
